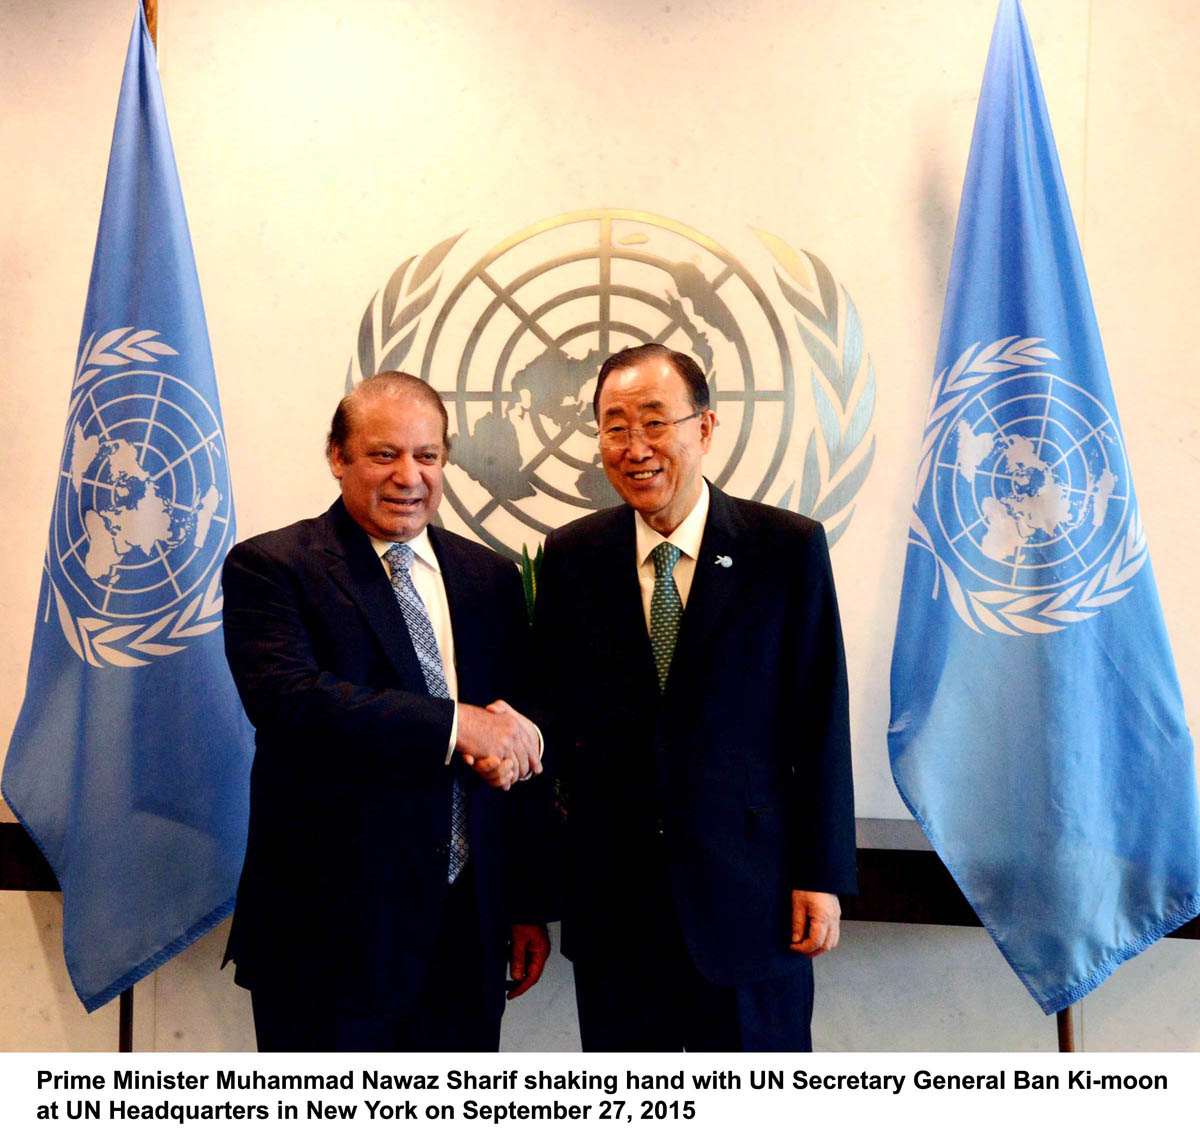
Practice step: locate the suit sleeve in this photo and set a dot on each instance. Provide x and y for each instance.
(292, 688)
(824, 853)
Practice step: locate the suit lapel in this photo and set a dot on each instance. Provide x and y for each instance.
(355, 568)
(721, 569)
(616, 572)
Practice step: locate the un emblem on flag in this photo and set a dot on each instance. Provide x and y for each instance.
(515, 343)
(140, 520)
(1030, 510)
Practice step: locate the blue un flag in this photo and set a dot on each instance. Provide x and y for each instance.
(1037, 731)
(129, 763)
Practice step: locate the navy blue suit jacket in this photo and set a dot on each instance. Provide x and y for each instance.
(345, 874)
(737, 776)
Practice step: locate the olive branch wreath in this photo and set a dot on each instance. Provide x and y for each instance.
(1001, 610)
(136, 347)
(843, 386)
(384, 345)
(95, 640)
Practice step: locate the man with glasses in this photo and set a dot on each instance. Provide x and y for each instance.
(696, 691)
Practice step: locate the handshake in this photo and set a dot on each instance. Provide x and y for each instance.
(499, 743)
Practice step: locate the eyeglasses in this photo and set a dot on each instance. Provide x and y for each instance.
(619, 437)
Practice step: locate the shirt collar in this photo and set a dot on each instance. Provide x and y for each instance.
(421, 546)
(686, 536)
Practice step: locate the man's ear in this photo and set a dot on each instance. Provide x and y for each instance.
(337, 464)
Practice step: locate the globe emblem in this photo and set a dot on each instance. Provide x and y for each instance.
(1031, 489)
(515, 347)
(141, 515)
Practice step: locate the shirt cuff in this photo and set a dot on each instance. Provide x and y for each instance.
(541, 748)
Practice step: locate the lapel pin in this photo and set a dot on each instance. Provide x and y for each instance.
(724, 562)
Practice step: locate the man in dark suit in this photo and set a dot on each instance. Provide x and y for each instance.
(698, 715)
(386, 870)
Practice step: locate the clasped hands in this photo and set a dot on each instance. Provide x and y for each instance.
(499, 743)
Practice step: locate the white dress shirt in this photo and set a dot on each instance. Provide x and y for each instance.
(431, 588)
(686, 537)
(427, 579)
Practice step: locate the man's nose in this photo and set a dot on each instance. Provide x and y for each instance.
(405, 471)
(639, 448)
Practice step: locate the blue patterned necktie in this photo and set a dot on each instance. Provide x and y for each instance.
(666, 609)
(420, 630)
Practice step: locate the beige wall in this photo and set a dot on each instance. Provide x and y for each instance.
(319, 144)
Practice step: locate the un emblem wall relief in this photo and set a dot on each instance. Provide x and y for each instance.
(512, 336)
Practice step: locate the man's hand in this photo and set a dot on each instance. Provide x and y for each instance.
(500, 773)
(530, 950)
(529, 734)
(816, 922)
(501, 744)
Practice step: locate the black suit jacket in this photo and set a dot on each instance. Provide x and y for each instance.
(345, 873)
(736, 777)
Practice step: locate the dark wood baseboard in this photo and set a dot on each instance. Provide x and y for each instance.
(22, 866)
(900, 878)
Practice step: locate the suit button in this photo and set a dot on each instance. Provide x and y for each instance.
(661, 828)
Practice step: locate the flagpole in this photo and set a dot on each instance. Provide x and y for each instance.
(150, 7)
(1066, 1032)
(1070, 1028)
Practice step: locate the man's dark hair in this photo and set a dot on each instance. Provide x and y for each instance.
(386, 385)
(685, 366)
